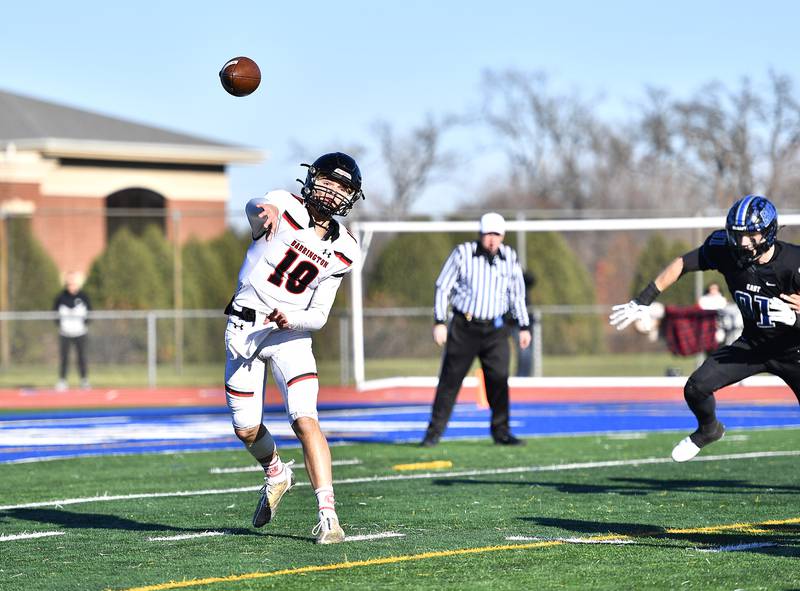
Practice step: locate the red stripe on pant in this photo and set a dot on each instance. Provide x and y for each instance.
(301, 377)
(238, 393)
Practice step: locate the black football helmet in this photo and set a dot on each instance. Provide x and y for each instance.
(340, 168)
(749, 215)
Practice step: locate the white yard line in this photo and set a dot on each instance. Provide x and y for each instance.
(39, 534)
(60, 421)
(386, 534)
(205, 534)
(257, 468)
(730, 438)
(739, 547)
(626, 435)
(377, 411)
(420, 476)
(570, 540)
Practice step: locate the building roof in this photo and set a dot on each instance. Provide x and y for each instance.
(60, 130)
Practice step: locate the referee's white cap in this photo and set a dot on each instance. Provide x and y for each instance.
(493, 223)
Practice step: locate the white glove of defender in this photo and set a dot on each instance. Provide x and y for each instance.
(623, 315)
(782, 312)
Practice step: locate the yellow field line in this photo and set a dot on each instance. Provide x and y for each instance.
(435, 465)
(731, 526)
(444, 553)
(345, 565)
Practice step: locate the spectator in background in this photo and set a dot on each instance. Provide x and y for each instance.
(73, 306)
(729, 320)
(524, 356)
(712, 298)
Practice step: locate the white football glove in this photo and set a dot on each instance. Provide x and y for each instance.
(624, 314)
(781, 312)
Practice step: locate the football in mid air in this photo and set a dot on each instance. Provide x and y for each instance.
(240, 76)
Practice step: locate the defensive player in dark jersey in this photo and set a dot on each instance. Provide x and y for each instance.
(761, 272)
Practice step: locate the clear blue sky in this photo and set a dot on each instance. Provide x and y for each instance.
(330, 69)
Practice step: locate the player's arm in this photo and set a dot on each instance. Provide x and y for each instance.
(786, 310)
(793, 299)
(675, 270)
(623, 315)
(264, 213)
(316, 315)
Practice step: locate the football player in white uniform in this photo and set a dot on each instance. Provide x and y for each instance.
(286, 287)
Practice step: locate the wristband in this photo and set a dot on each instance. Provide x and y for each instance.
(648, 295)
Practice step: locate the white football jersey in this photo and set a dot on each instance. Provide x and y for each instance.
(296, 271)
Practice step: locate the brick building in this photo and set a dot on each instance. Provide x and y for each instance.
(81, 176)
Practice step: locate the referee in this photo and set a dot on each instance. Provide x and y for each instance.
(483, 283)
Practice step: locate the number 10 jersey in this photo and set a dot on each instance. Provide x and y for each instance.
(296, 271)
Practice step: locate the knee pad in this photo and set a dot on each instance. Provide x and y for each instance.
(693, 391)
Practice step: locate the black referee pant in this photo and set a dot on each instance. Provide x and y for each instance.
(465, 341)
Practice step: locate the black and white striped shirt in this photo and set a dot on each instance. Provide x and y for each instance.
(481, 286)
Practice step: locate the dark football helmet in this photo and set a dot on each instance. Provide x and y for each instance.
(749, 215)
(340, 168)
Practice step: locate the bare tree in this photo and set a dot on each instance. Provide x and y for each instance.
(413, 161)
(656, 126)
(783, 141)
(736, 142)
(516, 108)
(551, 141)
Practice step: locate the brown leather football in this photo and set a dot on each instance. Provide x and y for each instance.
(240, 76)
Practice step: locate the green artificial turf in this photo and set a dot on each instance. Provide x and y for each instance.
(455, 522)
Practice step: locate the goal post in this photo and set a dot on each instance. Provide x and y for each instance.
(365, 230)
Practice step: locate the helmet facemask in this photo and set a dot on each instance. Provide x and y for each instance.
(747, 255)
(331, 198)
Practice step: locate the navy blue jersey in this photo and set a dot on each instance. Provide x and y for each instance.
(752, 288)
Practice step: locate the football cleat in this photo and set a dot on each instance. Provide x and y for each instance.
(689, 447)
(685, 450)
(271, 495)
(328, 531)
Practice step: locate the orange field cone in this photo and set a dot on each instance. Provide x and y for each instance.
(481, 399)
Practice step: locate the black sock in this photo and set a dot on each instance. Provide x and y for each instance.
(706, 434)
(705, 409)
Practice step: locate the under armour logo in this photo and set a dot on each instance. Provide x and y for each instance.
(237, 325)
(326, 253)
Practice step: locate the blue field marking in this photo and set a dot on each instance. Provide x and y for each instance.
(37, 436)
